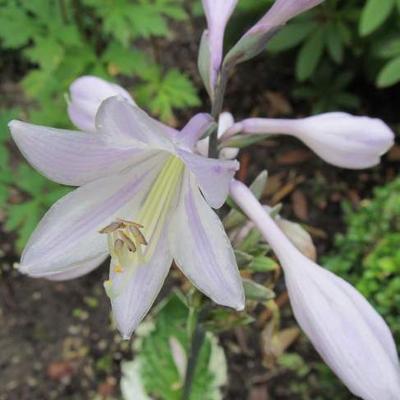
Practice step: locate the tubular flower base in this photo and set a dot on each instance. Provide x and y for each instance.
(339, 138)
(140, 200)
(347, 332)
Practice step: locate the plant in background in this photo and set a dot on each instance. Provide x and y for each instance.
(367, 253)
(60, 40)
(145, 198)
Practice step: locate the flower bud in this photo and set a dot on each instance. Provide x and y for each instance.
(86, 95)
(217, 13)
(338, 138)
(256, 38)
(351, 337)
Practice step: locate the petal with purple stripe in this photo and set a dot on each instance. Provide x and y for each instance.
(202, 250)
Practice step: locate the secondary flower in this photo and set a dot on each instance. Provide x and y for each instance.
(339, 138)
(85, 96)
(256, 38)
(348, 333)
(217, 13)
(144, 198)
(225, 121)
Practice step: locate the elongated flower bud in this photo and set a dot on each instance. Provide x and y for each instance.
(86, 95)
(347, 332)
(256, 38)
(217, 13)
(339, 138)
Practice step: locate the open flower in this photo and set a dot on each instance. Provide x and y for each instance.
(347, 332)
(144, 198)
(339, 138)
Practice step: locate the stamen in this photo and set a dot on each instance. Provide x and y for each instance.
(130, 223)
(114, 226)
(127, 241)
(139, 237)
(118, 246)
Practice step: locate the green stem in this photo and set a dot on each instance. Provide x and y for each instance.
(196, 344)
(216, 110)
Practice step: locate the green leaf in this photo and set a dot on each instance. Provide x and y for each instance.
(309, 56)
(334, 44)
(16, 27)
(156, 343)
(390, 74)
(291, 35)
(374, 14)
(257, 292)
(164, 93)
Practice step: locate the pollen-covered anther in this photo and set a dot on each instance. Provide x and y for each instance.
(124, 234)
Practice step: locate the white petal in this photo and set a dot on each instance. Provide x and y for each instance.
(68, 233)
(212, 175)
(68, 157)
(136, 290)
(86, 95)
(331, 318)
(202, 249)
(194, 130)
(120, 122)
(78, 270)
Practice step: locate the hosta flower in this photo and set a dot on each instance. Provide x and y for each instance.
(225, 121)
(339, 138)
(256, 38)
(347, 332)
(86, 94)
(217, 13)
(144, 198)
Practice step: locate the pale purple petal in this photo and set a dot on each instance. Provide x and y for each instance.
(68, 157)
(68, 233)
(78, 270)
(86, 95)
(212, 175)
(118, 122)
(134, 290)
(340, 330)
(194, 130)
(347, 332)
(202, 250)
(256, 38)
(282, 11)
(339, 138)
(217, 13)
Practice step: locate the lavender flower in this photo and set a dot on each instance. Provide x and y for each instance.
(339, 138)
(140, 200)
(348, 333)
(217, 13)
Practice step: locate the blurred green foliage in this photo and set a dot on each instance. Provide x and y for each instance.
(53, 43)
(368, 253)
